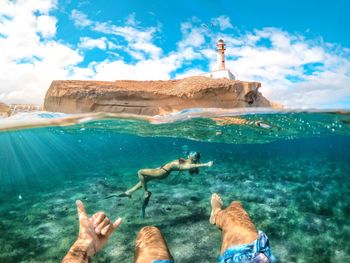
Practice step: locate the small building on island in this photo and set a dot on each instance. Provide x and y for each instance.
(222, 71)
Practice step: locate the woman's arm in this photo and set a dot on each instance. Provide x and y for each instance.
(188, 166)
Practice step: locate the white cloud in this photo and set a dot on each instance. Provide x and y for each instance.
(46, 26)
(91, 43)
(131, 20)
(191, 36)
(189, 54)
(112, 45)
(152, 69)
(30, 59)
(140, 40)
(223, 22)
(11, 8)
(80, 19)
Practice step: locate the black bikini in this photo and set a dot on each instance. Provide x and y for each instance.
(167, 171)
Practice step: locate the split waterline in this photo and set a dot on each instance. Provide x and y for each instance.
(289, 169)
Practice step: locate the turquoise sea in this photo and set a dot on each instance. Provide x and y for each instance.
(289, 169)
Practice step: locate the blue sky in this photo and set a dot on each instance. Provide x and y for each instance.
(299, 50)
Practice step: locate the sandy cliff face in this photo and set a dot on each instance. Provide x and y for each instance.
(151, 97)
(5, 110)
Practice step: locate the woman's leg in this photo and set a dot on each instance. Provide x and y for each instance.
(142, 178)
(147, 194)
(137, 186)
(150, 246)
(133, 189)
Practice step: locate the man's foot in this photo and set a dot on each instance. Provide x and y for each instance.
(216, 205)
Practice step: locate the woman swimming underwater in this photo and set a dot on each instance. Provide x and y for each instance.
(191, 164)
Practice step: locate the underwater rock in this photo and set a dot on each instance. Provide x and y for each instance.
(194, 198)
(151, 97)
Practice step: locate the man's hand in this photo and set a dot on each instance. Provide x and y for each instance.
(94, 231)
(93, 235)
(210, 164)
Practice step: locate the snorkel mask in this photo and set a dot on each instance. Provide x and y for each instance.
(195, 156)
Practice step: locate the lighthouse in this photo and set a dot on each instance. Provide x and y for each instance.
(221, 72)
(221, 54)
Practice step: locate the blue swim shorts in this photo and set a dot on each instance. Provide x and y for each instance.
(258, 251)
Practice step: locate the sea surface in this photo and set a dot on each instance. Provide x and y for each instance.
(290, 170)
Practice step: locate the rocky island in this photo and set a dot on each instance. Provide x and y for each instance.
(151, 97)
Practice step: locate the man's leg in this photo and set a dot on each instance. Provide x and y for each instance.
(150, 246)
(235, 223)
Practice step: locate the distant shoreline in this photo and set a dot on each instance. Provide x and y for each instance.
(8, 110)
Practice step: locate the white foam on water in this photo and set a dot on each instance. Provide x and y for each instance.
(27, 120)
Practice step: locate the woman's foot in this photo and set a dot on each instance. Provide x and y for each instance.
(146, 198)
(216, 205)
(125, 194)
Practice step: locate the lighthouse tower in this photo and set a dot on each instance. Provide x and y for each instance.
(221, 72)
(221, 54)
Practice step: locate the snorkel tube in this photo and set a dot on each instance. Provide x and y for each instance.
(195, 158)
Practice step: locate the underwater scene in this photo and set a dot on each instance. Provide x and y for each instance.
(290, 170)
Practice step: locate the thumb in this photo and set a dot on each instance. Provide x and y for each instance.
(81, 210)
